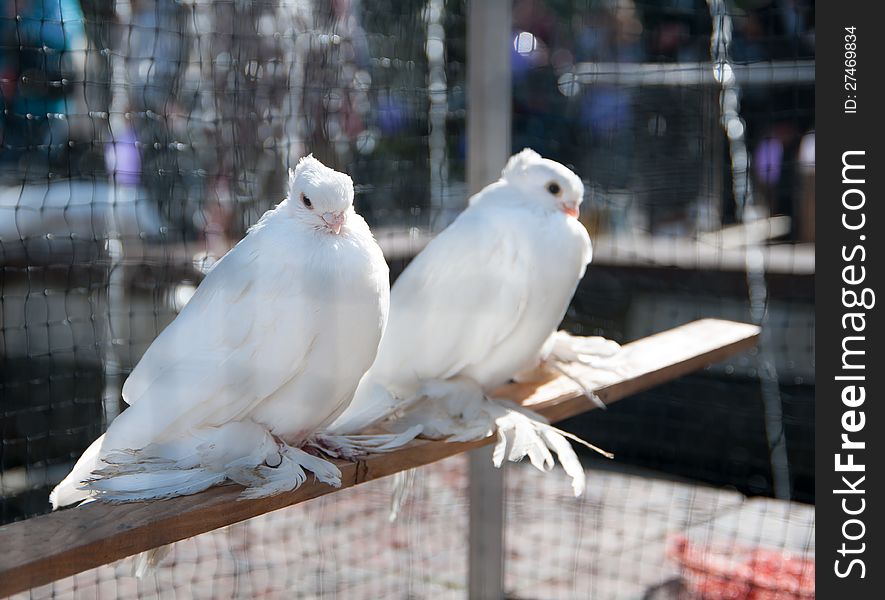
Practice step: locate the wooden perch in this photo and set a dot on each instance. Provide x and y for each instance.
(45, 548)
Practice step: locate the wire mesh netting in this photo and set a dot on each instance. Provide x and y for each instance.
(141, 139)
(557, 546)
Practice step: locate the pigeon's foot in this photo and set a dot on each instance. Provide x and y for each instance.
(565, 354)
(458, 411)
(266, 480)
(593, 351)
(587, 387)
(450, 409)
(358, 446)
(522, 432)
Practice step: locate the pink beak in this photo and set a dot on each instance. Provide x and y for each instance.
(570, 209)
(334, 221)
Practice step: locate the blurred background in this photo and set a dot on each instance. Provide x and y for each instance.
(141, 138)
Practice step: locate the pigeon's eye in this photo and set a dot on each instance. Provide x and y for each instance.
(554, 188)
(306, 201)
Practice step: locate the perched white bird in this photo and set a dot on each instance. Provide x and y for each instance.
(477, 306)
(269, 350)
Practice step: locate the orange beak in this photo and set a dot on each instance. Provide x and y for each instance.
(570, 210)
(334, 221)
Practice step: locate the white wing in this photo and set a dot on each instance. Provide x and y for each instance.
(461, 297)
(457, 300)
(247, 330)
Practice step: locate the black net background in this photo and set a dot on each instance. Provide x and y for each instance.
(141, 139)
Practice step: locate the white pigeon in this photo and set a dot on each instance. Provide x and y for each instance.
(269, 349)
(480, 304)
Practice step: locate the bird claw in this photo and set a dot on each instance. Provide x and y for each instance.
(563, 350)
(587, 388)
(589, 350)
(599, 363)
(326, 445)
(522, 432)
(265, 480)
(359, 446)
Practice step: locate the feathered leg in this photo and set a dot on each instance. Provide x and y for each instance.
(358, 446)
(287, 475)
(457, 410)
(592, 351)
(443, 409)
(562, 350)
(586, 387)
(450, 409)
(522, 432)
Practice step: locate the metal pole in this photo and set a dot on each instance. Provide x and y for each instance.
(443, 209)
(757, 286)
(486, 536)
(489, 26)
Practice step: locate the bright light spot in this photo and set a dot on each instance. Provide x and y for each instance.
(183, 294)
(437, 88)
(729, 101)
(266, 25)
(251, 68)
(435, 50)
(734, 129)
(806, 153)
(568, 85)
(525, 42)
(755, 259)
(723, 73)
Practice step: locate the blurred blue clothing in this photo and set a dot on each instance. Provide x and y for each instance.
(36, 39)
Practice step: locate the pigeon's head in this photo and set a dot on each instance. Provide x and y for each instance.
(319, 196)
(545, 181)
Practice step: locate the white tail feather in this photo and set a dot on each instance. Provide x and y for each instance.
(69, 491)
(134, 486)
(132, 475)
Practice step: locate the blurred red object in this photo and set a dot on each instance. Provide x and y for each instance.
(722, 572)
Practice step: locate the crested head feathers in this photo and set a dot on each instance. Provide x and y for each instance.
(311, 174)
(519, 163)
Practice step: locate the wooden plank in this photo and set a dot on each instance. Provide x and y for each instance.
(45, 548)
